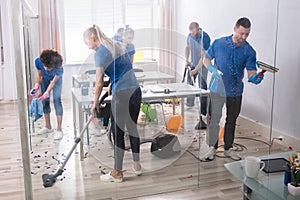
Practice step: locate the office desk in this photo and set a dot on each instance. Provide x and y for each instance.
(179, 90)
(265, 186)
(79, 80)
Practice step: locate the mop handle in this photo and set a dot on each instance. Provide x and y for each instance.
(184, 74)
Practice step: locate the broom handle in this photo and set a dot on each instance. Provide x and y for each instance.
(260, 74)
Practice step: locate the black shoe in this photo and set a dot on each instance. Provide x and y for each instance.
(200, 125)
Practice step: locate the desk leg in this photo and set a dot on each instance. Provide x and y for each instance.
(73, 81)
(246, 190)
(173, 103)
(74, 114)
(80, 129)
(182, 111)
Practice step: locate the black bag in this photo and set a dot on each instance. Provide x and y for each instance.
(104, 110)
(165, 146)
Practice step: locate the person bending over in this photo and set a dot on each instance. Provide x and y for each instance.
(50, 78)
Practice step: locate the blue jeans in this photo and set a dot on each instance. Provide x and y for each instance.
(125, 108)
(202, 83)
(56, 97)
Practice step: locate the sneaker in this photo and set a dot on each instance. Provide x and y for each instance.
(204, 118)
(58, 135)
(110, 178)
(200, 125)
(101, 132)
(230, 153)
(209, 155)
(44, 131)
(137, 172)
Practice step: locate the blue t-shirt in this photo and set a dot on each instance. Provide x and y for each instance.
(119, 70)
(48, 74)
(130, 49)
(195, 45)
(231, 60)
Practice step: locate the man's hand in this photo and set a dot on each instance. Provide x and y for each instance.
(193, 72)
(214, 72)
(44, 96)
(187, 64)
(255, 80)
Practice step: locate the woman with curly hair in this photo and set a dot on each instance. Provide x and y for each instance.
(50, 72)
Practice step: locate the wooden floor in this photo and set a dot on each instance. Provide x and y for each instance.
(182, 177)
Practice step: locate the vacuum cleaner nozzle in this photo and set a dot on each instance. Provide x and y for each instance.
(48, 180)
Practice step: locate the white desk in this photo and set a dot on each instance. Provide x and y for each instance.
(180, 90)
(79, 80)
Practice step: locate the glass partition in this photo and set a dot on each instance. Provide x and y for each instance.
(186, 145)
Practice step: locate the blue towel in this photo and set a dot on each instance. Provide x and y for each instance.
(36, 109)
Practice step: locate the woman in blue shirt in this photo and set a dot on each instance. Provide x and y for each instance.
(231, 55)
(126, 37)
(126, 97)
(50, 72)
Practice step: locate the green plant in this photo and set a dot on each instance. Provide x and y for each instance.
(295, 170)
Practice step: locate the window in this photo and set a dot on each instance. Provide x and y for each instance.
(109, 15)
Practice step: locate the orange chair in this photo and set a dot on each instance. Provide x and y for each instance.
(174, 123)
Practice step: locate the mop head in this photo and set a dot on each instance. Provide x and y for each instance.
(48, 180)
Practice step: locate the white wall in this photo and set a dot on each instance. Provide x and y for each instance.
(217, 18)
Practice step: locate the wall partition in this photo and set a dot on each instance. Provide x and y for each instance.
(260, 103)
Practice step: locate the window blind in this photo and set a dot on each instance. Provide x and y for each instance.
(109, 15)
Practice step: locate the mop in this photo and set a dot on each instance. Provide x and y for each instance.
(50, 179)
(265, 68)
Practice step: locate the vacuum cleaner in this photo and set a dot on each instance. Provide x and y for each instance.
(50, 179)
(163, 145)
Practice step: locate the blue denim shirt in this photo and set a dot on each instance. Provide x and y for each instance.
(196, 46)
(231, 60)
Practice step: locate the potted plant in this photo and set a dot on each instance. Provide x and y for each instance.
(294, 186)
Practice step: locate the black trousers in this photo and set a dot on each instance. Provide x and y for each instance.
(125, 110)
(233, 109)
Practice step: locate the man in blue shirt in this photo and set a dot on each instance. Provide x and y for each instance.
(198, 42)
(231, 55)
